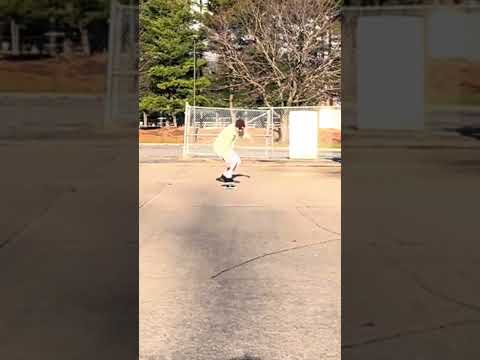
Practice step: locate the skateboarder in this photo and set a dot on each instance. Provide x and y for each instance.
(224, 148)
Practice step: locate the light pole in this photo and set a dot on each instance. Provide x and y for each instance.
(194, 72)
(132, 25)
(194, 85)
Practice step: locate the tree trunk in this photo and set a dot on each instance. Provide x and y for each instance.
(85, 40)
(284, 127)
(232, 112)
(14, 37)
(329, 42)
(174, 120)
(67, 48)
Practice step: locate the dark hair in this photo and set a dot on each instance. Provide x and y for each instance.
(240, 124)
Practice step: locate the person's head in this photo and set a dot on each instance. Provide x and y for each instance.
(240, 126)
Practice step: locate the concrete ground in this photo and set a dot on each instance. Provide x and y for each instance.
(68, 267)
(153, 152)
(410, 253)
(248, 273)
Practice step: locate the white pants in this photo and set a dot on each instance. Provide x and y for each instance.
(233, 161)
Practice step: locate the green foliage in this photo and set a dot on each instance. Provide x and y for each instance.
(81, 13)
(60, 10)
(215, 5)
(22, 9)
(73, 17)
(166, 57)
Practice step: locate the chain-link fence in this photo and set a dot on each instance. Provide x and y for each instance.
(122, 80)
(268, 127)
(203, 125)
(329, 117)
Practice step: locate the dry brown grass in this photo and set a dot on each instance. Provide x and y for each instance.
(327, 138)
(453, 82)
(78, 76)
(161, 136)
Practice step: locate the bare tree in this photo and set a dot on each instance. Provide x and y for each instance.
(284, 52)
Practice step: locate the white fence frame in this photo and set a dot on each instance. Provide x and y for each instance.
(271, 127)
(116, 71)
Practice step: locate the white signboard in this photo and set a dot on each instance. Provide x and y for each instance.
(390, 80)
(303, 134)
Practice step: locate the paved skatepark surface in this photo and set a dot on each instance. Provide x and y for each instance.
(68, 267)
(248, 273)
(410, 253)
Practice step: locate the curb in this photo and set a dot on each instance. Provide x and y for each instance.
(256, 163)
(245, 148)
(159, 144)
(453, 108)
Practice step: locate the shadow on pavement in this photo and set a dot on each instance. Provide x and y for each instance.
(241, 175)
(246, 357)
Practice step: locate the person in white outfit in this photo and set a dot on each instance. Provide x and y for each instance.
(224, 148)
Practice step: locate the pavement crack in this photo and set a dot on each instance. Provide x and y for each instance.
(28, 224)
(176, 176)
(270, 254)
(324, 228)
(51, 205)
(146, 202)
(228, 206)
(415, 278)
(443, 297)
(410, 333)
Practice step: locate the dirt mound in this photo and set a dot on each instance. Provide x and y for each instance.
(164, 135)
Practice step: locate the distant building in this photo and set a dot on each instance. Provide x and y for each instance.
(200, 6)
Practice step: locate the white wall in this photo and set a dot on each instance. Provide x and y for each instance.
(390, 92)
(458, 40)
(330, 117)
(303, 139)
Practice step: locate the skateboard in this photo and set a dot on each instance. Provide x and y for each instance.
(229, 186)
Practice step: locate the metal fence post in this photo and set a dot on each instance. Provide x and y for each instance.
(110, 82)
(186, 131)
(269, 145)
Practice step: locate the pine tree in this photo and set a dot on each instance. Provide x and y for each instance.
(167, 33)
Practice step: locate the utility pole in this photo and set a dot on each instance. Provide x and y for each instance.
(194, 71)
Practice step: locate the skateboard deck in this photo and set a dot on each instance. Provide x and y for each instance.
(228, 183)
